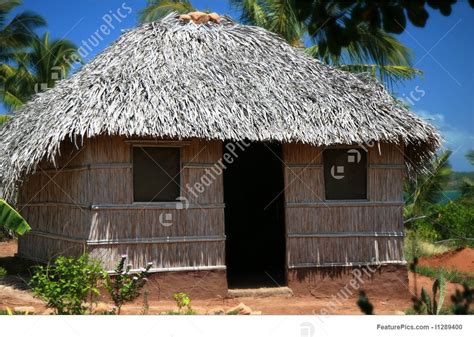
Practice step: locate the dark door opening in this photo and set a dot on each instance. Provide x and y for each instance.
(254, 218)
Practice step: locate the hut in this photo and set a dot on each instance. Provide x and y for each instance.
(224, 156)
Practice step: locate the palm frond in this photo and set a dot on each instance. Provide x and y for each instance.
(283, 21)
(427, 188)
(157, 9)
(252, 12)
(19, 31)
(389, 74)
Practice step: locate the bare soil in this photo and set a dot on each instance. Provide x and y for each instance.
(14, 293)
(460, 259)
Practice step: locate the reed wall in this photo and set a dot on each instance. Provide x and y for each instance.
(342, 233)
(84, 202)
(85, 199)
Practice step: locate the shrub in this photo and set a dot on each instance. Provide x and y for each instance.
(183, 301)
(68, 284)
(448, 221)
(462, 301)
(416, 246)
(3, 272)
(424, 303)
(125, 286)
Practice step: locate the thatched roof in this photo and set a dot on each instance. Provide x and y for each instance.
(215, 81)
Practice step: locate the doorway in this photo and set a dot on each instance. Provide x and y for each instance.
(254, 217)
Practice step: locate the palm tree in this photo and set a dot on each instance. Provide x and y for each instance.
(157, 9)
(3, 119)
(36, 69)
(276, 16)
(375, 52)
(17, 33)
(427, 188)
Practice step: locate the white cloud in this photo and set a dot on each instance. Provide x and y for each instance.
(456, 139)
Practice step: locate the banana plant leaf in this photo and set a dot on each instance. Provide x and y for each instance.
(12, 220)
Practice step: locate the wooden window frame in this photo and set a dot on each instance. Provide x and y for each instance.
(157, 143)
(367, 198)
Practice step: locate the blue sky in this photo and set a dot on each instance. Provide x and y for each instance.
(443, 50)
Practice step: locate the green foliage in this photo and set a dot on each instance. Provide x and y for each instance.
(364, 304)
(446, 221)
(68, 284)
(424, 304)
(462, 301)
(451, 275)
(125, 286)
(374, 52)
(426, 189)
(183, 301)
(157, 9)
(12, 220)
(467, 185)
(415, 246)
(438, 285)
(16, 35)
(333, 21)
(3, 272)
(274, 15)
(18, 32)
(37, 69)
(11, 312)
(3, 119)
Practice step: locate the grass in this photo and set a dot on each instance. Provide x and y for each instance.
(453, 276)
(415, 246)
(11, 312)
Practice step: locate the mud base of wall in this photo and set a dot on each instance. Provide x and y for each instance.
(389, 281)
(197, 284)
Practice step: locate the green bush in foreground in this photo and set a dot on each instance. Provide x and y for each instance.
(68, 285)
(3, 272)
(183, 301)
(462, 301)
(125, 286)
(424, 303)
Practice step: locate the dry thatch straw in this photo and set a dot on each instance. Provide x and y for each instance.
(213, 81)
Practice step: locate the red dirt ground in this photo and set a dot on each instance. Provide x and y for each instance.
(459, 259)
(14, 294)
(8, 248)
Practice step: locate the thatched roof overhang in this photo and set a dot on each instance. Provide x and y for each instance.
(214, 81)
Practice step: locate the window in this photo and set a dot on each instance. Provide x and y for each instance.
(345, 174)
(156, 174)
